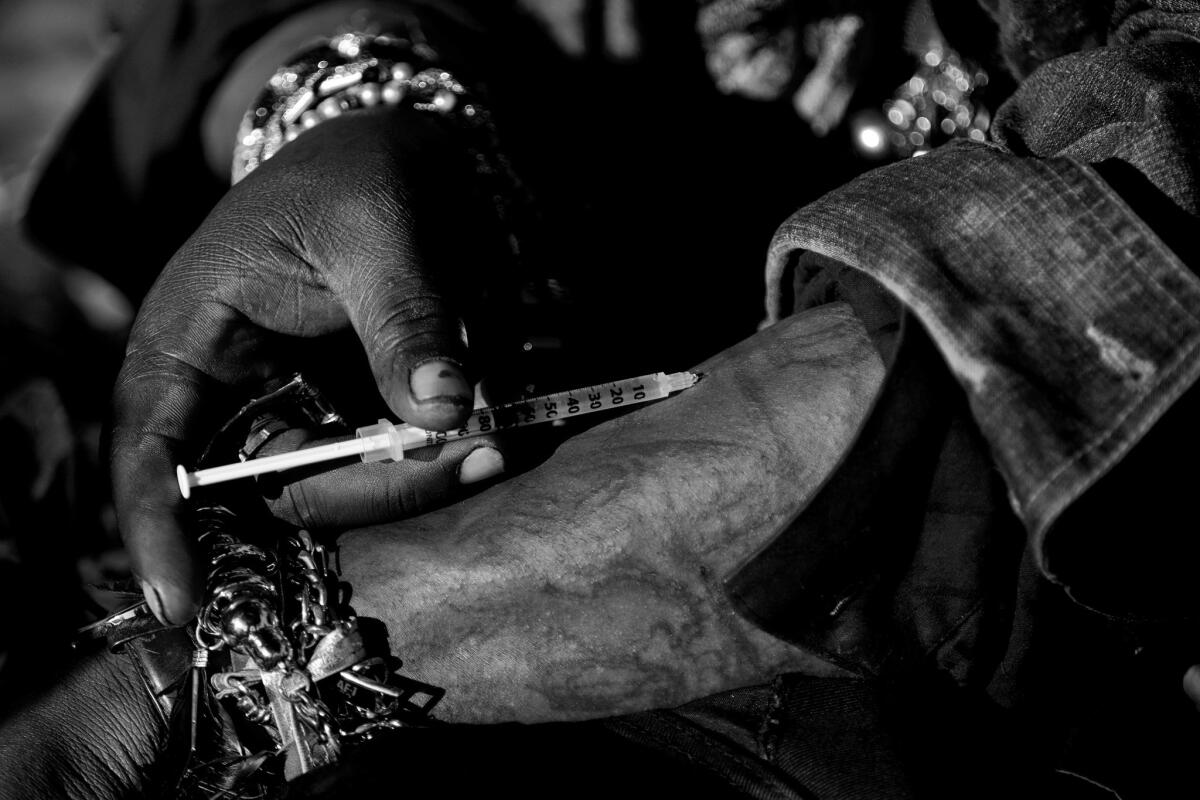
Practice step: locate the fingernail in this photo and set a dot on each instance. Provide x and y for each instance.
(154, 600)
(481, 464)
(435, 379)
(181, 610)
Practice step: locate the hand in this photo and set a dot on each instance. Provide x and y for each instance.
(321, 239)
(590, 586)
(593, 584)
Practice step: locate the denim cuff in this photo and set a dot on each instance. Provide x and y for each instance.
(1067, 321)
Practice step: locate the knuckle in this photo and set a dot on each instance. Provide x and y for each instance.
(403, 500)
(322, 208)
(422, 489)
(412, 323)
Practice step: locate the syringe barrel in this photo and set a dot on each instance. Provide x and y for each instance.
(556, 406)
(382, 441)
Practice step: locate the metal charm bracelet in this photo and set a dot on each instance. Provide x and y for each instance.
(278, 675)
(290, 673)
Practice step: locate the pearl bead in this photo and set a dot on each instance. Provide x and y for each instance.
(393, 92)
(309, 118)
(368, 95)
(330, 107)
(445, 100)
(291, 134)
(401, 71)
(349, 46)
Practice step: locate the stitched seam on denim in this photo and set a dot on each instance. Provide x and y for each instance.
(796, 228)
(1147, 235)
(1164, 377)
(1073, 189)
(1163, 402)
(1073, 458)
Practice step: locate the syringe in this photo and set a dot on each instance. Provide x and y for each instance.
(388, 441)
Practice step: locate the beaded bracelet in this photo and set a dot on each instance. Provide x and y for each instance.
(358, 70)
(347, 72)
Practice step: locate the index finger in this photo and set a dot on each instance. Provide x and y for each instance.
(166, 403)
(152, 410)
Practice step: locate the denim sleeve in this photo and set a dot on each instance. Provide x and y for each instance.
(1068, 322)
(1055, 271)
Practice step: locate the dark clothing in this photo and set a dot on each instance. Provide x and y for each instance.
(625, 170)
(1069, 321)
(1056, 274)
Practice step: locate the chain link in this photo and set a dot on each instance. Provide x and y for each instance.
(298, 667)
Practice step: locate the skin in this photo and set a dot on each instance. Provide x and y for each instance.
(586, 587)
(592, 584)
(322, 240)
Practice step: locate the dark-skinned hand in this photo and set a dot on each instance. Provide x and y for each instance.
(321, 239)
(591, 586)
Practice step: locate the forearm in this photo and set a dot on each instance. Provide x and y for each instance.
(592, 585)
(95, 735)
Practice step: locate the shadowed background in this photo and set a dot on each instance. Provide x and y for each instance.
(62, 330)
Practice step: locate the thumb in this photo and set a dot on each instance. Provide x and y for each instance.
(414, 341)
(366, 202)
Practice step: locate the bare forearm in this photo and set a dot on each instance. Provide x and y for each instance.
(592, 585)
(94, 735)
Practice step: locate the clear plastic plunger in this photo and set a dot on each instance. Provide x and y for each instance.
(386, 441)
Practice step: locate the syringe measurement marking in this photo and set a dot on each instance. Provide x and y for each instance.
(550, 407)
